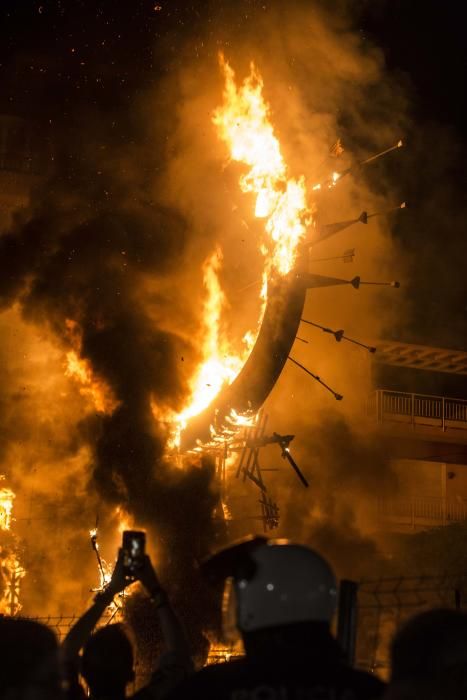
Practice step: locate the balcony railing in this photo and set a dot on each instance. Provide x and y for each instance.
(420, 512)
(418, 409)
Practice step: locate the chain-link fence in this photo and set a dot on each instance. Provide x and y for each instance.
(384, 604)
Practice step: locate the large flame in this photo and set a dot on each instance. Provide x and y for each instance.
(220, 365)
(243, 123)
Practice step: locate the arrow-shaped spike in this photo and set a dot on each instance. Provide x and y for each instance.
(370, 159)
(313, 281)
(337, 396)
(286, 455)
(347, 256)
(337, 176)
(328, 230)
(394, 283)
(403, 205)
(340, 335)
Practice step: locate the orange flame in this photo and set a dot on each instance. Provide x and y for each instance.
(220, 366)
(81, 371)
(243, 123)
(11, 571)
(6, 507)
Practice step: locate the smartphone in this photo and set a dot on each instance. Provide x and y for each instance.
(133, 545)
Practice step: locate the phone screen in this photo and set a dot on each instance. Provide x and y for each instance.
(133, 545)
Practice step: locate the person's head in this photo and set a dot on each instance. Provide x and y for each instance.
(279, 589)
(107, 662)
(428, 645)
(29, 666)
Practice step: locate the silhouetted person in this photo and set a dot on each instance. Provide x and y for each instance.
(429, 657)
(107, 663)
(282, 598)
(29, 666)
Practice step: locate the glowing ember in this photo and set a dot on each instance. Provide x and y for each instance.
(11, 573)
(6, 507)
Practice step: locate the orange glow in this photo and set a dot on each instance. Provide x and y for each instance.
(243, 123)
(6, 507)
(220, 365)
(125, 521)
(81, 371)
(11, 573)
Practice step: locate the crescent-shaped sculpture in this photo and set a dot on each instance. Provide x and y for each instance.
(253, 384)
(255, 381)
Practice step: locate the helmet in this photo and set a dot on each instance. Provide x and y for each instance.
(273, 583)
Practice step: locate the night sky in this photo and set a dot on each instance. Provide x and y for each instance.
(424, 45)
(62, 62)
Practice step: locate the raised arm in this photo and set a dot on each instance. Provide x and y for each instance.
(82, 629)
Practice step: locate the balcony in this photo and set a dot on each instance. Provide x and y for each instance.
(419, 411)
(420, 513)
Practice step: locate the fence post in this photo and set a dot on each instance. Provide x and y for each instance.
(444, 415)
(413, 411)
(347, 619)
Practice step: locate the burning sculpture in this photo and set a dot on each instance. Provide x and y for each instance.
(98, 311)
(243, 123)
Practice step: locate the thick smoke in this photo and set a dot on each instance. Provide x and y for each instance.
(113, 241)
(92, 272)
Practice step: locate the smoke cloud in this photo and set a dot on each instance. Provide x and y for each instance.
(107, 261)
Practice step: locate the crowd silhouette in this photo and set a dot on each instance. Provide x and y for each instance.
(279, 597)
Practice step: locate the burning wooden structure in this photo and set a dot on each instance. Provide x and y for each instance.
(230, 422)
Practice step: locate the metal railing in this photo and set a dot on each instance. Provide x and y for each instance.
(422, 511)
(417, 409)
